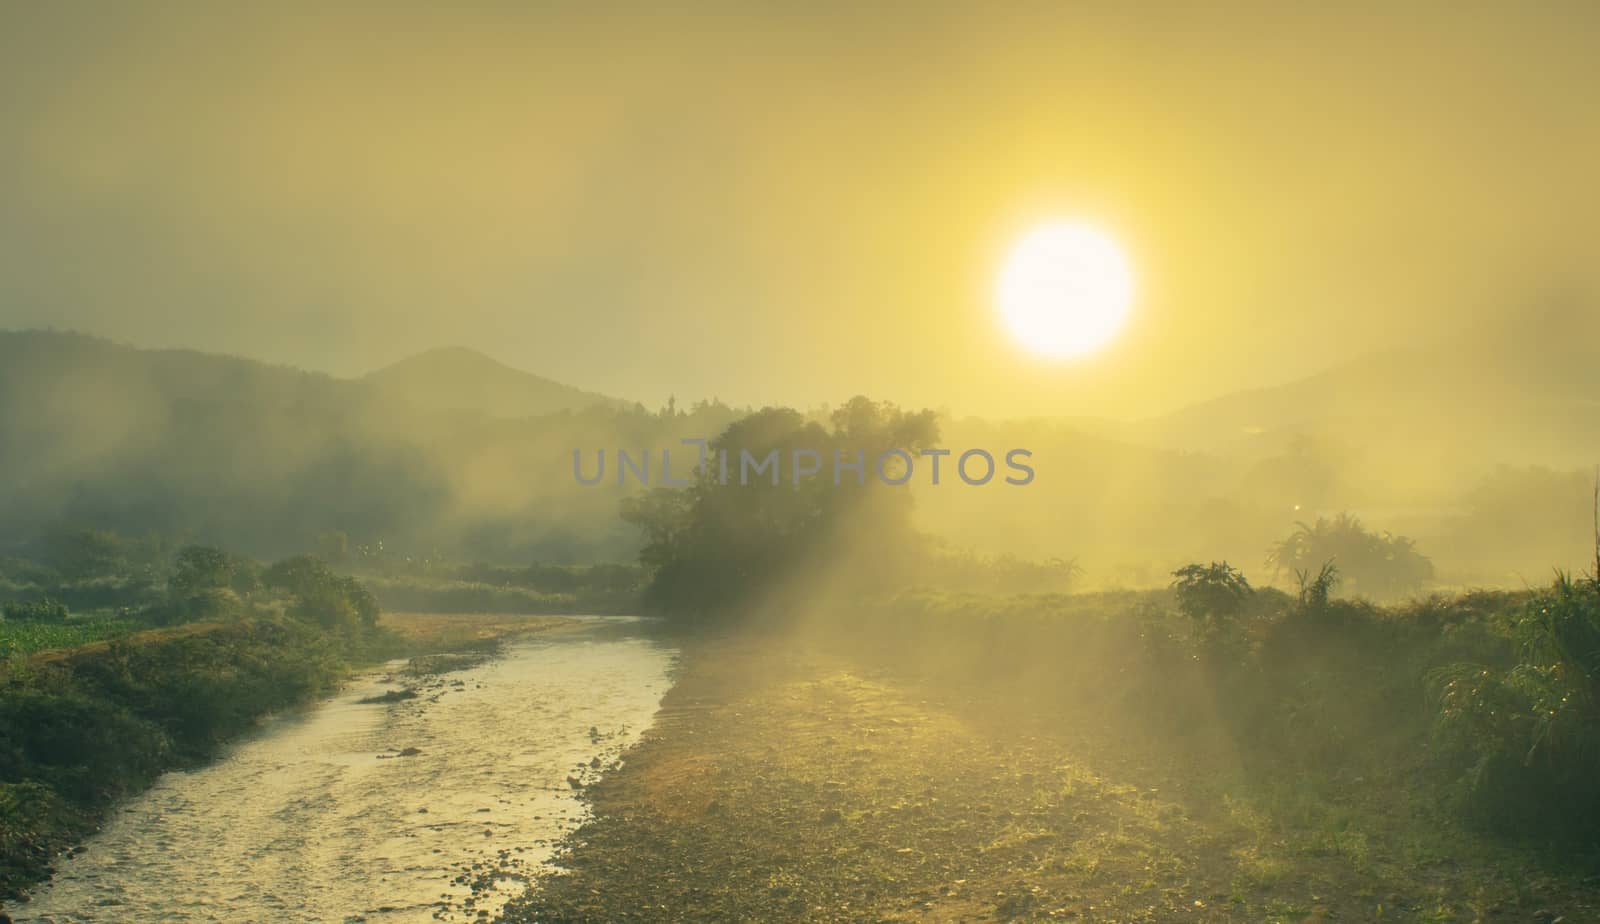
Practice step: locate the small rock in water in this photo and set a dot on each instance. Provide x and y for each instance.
(392, 696)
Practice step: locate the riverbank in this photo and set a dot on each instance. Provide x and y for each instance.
(786, 782)
(425, 791)
(84, 728)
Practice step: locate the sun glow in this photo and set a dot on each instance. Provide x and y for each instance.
(1065, 290)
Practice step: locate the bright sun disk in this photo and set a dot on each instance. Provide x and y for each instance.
(1065, 290)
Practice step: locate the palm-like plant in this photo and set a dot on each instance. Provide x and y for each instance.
(1376, 564)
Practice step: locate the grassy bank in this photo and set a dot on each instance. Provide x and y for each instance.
(432, 595)
(1096, 758)
(83, 727)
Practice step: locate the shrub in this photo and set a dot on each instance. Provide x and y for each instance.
(42, 610)
(1212, 595)
(320, 596)
(1528, 737)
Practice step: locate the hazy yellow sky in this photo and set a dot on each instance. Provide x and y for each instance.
(793, 206)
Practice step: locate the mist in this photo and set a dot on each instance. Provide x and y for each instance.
(549, 463)
(623, 208)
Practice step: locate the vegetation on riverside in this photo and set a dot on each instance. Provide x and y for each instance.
(714, 545)
(1219, 748)
(22, 636)
(94, 706)
(1211, 752)
(1351, 724)
(443, 587)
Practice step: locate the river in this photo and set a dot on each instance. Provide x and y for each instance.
(423, 809)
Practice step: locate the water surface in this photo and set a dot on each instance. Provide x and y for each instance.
(318, 818)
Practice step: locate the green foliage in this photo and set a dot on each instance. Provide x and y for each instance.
(79, 554)
(87, 747)
(320, 596)
(45, 610)
(559, 579)
(198, 568)
(104, 593)
(1527, 736)
(448, 596)
(33, 822)
(712, 545)
(1382, 566)
(445, 587)
(24, 638)
(211, 604)
(80, 728)
(201, 587)
(1298, 702)
(1213, 594)
(78, 733)
(1316, 592)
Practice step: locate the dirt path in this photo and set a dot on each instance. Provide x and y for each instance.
(788, 785)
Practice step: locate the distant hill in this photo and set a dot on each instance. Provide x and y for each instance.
(1517, 392)
(442, 452)
(101, 434)
(452, 453)
(459, 379)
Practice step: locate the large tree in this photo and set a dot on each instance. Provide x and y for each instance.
(722, 539)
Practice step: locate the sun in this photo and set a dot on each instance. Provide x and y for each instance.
(1065, 290)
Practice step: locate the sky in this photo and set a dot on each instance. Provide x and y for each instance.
(795, 205)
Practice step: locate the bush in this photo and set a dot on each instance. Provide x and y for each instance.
(89, 749)
(43, 610)
(320, 596)
(1213, 594)
(1526, 739)
(34, 820)
(212, 604)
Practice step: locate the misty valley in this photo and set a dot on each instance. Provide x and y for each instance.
(508, 463)
(846, 699)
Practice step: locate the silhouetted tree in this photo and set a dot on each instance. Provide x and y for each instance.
(712, 544)
(1213, 594)
(1376, 564)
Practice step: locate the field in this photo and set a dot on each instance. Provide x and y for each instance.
(26, 638)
